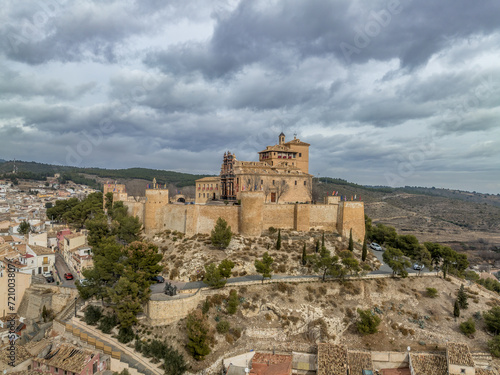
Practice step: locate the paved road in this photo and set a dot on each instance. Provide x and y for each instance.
(383, 270)
(61, 269)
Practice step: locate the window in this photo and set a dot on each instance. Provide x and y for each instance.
(199, 195)
(203, 195)
(295, 182)
(462, 371)
(262, 182)
(273, 182)
(305, 183)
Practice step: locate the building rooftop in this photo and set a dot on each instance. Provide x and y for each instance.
(482, 371)
(74, 235)
(359, 361)
(271, 364)
(40, 250)
(67, 357)
(332, 359)
(429, 364)
(459, 354)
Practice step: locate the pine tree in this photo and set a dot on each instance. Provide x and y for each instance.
(304, 255)
(456, 309)
(351, 242)
(364, 252)
(221, 234)
(462, 298)
(264, 266)
(278, 242)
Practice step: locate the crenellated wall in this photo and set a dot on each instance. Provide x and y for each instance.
(250, 218)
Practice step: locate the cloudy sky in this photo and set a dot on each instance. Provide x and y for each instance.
(397, 92)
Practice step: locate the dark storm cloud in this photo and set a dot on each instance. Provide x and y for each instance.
(173, 85)
(294, 30)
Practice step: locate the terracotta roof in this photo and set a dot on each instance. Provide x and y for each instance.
(21, 354)
(30, 372)
(297, 142)
(359, 361)
(74, 235)
(68, 357)
(332, 359)
(459, 354)
(396, 371)
(429, 364)
(271, 364)
(482, 371)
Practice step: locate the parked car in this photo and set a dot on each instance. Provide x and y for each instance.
(68, 276)
(418, 267)
(49, 279)
(158, 279)
(47, 274)
(376, 246)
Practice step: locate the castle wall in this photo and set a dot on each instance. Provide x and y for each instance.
(207, 217)
(324, 216)
(278, 216)
(155, 199)
(251, 213)
(135, 209)
(162, 312)
(352, 215)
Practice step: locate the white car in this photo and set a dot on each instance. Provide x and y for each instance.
(376, 246)
(418, 267)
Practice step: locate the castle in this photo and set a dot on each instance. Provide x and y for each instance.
(251, 196)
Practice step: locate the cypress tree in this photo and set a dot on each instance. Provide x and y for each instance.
(462, 298)
(364, 252)
(278, 242)
(351, 242)
(323, 240)
(304, 255)
(456, 309)
(317, 246)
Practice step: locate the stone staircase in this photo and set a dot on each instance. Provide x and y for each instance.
(69, 311)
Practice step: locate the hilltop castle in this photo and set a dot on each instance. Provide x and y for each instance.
(251, 196)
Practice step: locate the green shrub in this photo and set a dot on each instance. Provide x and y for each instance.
(92, 315)
(223, 326)
(494, 346)
(125, 335)
(368, 322)
(234, 301)
(432, 292)
(108, 322)
(468, 327)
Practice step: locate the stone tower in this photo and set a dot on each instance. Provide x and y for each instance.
(155, 199)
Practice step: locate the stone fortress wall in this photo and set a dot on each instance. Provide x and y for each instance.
(250, 218)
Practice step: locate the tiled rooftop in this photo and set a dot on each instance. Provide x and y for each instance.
(332, 359)
(359, 361)
(429, 364)
(67, 357)
(40, 250)
(459, 354)
(482, 371)
(271, 364)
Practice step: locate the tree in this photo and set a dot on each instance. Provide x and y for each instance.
(368, 322)
(198, 332)
(351, 264)
(395, 259)
(468, 327)
(351, 242)
(221, 234)
(304, 255)
(492, 319)
(98, 229)
(364, 251)
(494, 346)
(141, 265)
(456, 309)
(317, 246)
(24, 228)
(213, 277)
(225, 268)
(462, 298)
(422, 257)
(108, 204)
(324, 262)
(281, 188)
(432, 292)
(126, 298)
(278, 241)
(264, 266)
(233, 302)
(323, 240)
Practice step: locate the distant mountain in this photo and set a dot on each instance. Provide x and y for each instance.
(40, 171)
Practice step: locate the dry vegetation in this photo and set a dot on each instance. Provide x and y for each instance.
(293, 316)
(184, 258)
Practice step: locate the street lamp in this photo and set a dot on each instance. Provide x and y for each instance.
(75, 305)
